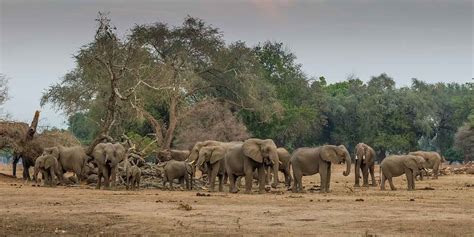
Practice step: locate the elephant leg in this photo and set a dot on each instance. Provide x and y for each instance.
(287, 178)
(106, 174)
(296, 181)
(365, 175)
(374, 182)
(323, 174)
(15, 162)
(248, 180)
(232, 181)
(328, 179)
(53, 180)
(113, 176)
(268, 175)
(221, 183)
(435, 171)
(261, 179)
(99, 178)
(212, 178)
(409, 176)
(357, 173)
(382, 182)
(390, 181)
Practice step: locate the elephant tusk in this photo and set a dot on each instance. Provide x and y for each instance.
(357, 157)
(363, 157)
(279, 162)
(192, 162)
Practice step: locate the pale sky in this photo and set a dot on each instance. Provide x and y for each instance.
(428, 40)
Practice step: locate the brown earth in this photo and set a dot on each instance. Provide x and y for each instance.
(445, 211)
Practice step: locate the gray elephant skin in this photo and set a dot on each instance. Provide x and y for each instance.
(433, 161)
(107, 156)
(365, 162)
(49, 168)
(212, 157)
(397, 165)
(309, 161)
(170, 154)
(71, 159)
(253, 154)
(181, 170)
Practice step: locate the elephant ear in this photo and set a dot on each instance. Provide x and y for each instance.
(411, 162)
(251, 148)
(54, 151)
(119, 152)
(217, 154)
(49, 162)
(329, 154)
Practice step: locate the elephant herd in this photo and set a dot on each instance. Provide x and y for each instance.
(252, 159)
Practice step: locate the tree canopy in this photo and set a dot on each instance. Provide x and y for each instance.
(175, 85)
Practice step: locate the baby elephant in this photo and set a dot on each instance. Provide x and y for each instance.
(181, 170)
(49, 168)
(134, 174)
(394, 166)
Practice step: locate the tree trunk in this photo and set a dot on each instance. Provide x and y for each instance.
(172, 123)
(109, 117)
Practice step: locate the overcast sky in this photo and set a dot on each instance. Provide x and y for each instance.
(428, 40)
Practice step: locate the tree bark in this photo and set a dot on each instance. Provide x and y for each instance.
(173, 121)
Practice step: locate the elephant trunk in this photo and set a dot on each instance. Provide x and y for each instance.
(276, 166)
(348, 165)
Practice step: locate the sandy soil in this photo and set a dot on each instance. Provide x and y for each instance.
(445, 211)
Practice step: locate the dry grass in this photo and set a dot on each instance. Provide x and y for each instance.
(444, 209)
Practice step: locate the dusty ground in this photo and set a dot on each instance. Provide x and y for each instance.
(445, 211)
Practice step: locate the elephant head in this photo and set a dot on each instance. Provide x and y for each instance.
(337, 155)
(54, 151)
(109, 153)
(261, 151)
(210, 154)
(414, 163)
(194, 153)
(360, 151)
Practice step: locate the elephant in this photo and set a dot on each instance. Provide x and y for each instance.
(194, 153)
(284, 167)
(396, 165)
(312, 160)
(107, 156)
(71, 159)
(167, 154)
(433, 161)
(252, 154)
(134, 174)
(49, 168)
(364, 161)
(181, 170)
(213, 159)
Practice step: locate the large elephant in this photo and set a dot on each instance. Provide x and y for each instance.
(70, 159)
(253, 154)
(433, 161)
(396, 165)
(194, 153)
(213, 159)
(364, 161)
(49, 168)
(308, 161)
(107, 156)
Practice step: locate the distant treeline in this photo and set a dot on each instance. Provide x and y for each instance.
(172, 86)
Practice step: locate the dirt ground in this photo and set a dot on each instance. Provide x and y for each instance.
(445, 211)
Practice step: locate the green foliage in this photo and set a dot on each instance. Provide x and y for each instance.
(301, 114)
(150, 81)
